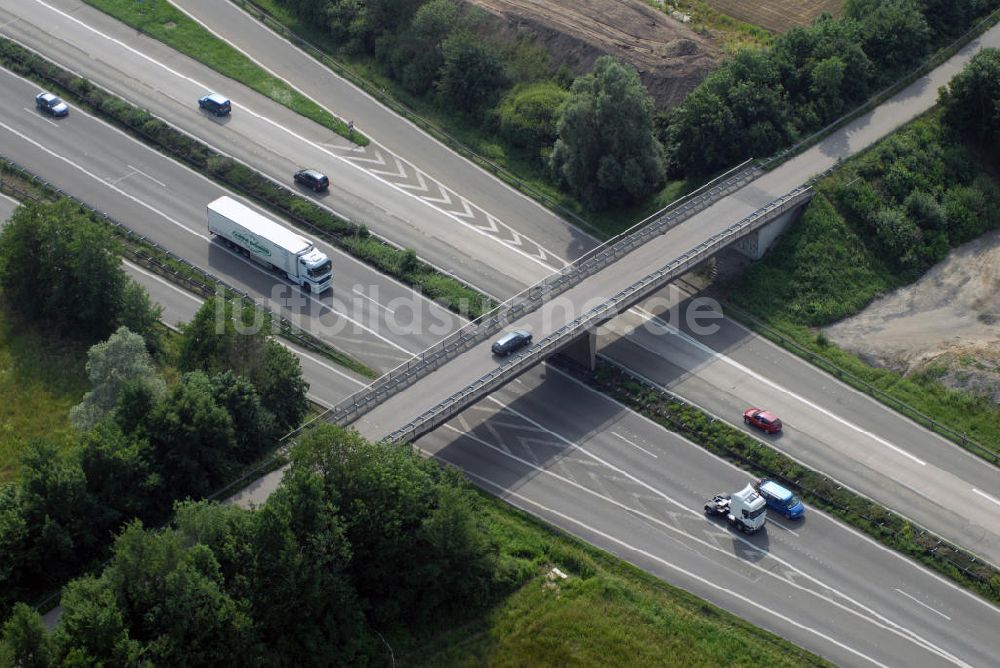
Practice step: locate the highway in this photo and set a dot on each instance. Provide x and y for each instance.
(829, 427)
(370, 185)
(640, 488)
(621, 531)
(854, 439)
(165, 202)
(625, 484)
(928, 499)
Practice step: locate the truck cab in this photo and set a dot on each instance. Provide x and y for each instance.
(317, 270)
(746, 509)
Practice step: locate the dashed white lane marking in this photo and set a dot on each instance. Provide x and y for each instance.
(301, 354)
(919, 602)
(874, 617)
(986, 496)
(634, 445)
(321, 305)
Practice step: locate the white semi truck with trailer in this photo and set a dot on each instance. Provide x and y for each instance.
(746, 509)
(270, 244)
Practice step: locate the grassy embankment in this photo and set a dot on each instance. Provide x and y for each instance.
(161, 20)
(606, 613)
(41, 378)
(835, 261)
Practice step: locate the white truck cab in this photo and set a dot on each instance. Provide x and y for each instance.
(746, 509)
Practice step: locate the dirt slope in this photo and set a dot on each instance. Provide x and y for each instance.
(949, 319)
(670, 57)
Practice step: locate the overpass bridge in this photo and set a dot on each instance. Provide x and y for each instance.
(564, 310)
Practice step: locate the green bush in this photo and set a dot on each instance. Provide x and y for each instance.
(528, 113)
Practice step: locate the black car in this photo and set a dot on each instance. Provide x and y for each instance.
(215, 103)
(312, 179)
(51, 104)
(510, 342)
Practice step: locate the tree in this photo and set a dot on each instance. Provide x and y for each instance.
(91, 629)
(278, 378)
(120, 360)
(25, 642)
(894, 33)
(172, 599)
(302, 568)
(606, 152)
(140, 314)
(925, 211)
(205, 342)
(14, 536)
(58, 514)
(898, 235)
(971, 102)
(528, 114)
(418, 57)
(58, 265)
(254, 426)
(119, 474)
(396, 510)
(191, 437)
(472, 72)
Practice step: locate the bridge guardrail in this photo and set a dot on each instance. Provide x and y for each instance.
(535, 295)
(612, 307)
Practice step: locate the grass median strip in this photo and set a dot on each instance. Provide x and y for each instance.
(162, 21)
(817, 489)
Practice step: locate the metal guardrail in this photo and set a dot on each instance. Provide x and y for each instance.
(612, 307)
(535, 296)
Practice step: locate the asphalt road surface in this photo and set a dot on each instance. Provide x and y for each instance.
(918, 596)
(938, 502)
(369, 185)
(165, 202)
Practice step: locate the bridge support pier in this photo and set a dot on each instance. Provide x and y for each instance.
(755, 244)
(583, 350)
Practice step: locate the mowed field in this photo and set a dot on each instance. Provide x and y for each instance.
(777, 15)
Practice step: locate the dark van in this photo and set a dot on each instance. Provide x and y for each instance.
(780, 499)
(312, 179)
(215, 103)
(510, 342)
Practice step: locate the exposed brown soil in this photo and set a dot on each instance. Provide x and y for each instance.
(670, 57)
(777, 15)
(948, 321)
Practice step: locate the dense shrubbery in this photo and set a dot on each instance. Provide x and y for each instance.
(147, 446)
(881, 221)
(759, 102)
(890, 214)
(359, 537)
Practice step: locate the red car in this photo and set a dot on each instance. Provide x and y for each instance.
(765, 420)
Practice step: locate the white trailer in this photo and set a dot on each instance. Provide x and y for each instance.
(270, 244)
